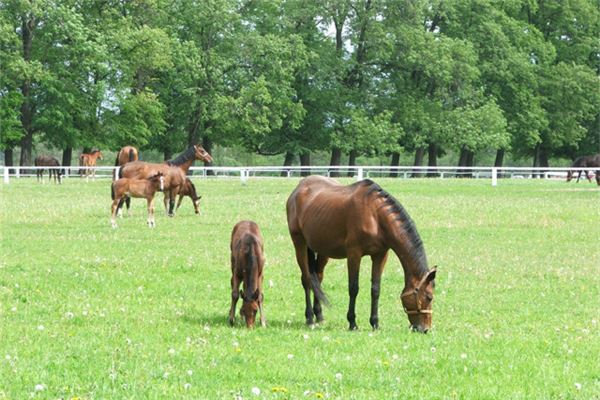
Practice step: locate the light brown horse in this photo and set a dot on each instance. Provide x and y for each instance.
(141, 170)
(332, 220)
(52, 163)
(247, 262)
(142, 188)
(125, 155)
(89, 160)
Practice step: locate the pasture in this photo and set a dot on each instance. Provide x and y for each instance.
(91, 312)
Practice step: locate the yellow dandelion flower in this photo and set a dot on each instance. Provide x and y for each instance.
(319, 395)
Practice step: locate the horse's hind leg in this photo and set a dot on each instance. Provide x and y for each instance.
(302, 258)
(317, 309)
(376, 272)
(113, 212)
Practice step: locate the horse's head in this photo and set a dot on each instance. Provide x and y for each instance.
(99, 155)
(417, 303)
(193, 194)
(249, 308)
(202, 154)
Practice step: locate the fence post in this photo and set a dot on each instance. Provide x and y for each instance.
(17, 172)
(494, 176)
(6, 179)
(243, 176)
(359, 175)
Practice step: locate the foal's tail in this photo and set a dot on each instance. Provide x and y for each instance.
(112, 192)
(314, 279)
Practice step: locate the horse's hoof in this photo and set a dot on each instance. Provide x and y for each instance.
(353, 328)
(170, 215)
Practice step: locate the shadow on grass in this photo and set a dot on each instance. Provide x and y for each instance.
(218, 320)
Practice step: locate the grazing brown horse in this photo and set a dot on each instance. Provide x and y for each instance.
(48, 161)
(247, 262)
(125, 155)
(142, 188)
(187, 189)
(591, 162)
(332, 220)
(89, 160)
(141, 170)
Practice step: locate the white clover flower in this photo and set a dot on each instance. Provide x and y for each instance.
(255, 391)
(338, 376)
(187, 386)
(39, 387)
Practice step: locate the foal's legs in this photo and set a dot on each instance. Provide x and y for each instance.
(150, 220)
(376, 272)
(113, 211)
(353, 275)
(235, 294)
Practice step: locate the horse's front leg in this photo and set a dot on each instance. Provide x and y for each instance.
(353, 276)
(376, 272)
(587, 175)
(235, 295)
(150, 220)
(165, 201)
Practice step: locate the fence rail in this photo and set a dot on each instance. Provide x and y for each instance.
(358, 172)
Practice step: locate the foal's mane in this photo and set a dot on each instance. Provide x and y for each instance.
(248, 241)
(189, 154)
(417, 250)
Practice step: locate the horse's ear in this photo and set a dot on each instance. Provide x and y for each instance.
(242, 293)
(255, 295)
(431, 274)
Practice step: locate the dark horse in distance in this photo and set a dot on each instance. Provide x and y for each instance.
(247, 262)
(48, 161)
(173, 170)
(330, 220)
(591, 162)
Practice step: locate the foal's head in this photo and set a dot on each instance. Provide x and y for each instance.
(249, 308)
(417, 303)
(158, 181)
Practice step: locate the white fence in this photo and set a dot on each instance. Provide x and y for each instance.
(358, 172)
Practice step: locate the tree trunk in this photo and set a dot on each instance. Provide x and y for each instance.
(8, 159)
(462, 161)
(351, 162)
(336, 159)
(419, 154)
(305, 162)
(543, 158)
(432, 159)
(67, 156)
(27, 108)
(536, 155)
(207, 143)
(287, 162)
(469, 163)
(394, 163)
(499, 158)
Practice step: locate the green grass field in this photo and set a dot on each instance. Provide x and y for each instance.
(89, 312)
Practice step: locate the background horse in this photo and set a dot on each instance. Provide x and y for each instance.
(590, 162)
(48, 161)
(332, 220)
(141, 170)
(89, 160)
(125, 155)
(247, 262)
(144, 188)
(187, 189)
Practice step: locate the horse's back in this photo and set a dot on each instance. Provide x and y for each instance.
(246, 239)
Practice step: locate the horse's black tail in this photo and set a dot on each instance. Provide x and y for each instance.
(314, 279)
(131, 155)
(117, 159)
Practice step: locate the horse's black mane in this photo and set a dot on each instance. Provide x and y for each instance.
(189, 154)
(407, 224)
